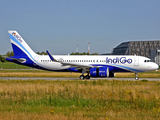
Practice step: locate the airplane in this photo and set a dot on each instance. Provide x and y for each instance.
(93, 65)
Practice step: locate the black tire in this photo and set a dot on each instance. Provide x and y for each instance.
(87, 77)
(81, 77)
(111, 74)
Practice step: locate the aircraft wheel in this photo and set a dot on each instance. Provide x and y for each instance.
(81, 77)
(136, 78)
(111, 74)
(87, 77)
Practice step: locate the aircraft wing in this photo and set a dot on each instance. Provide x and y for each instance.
(76, 65)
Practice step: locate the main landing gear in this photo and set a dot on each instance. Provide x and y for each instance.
(83, 77)
(136, 76)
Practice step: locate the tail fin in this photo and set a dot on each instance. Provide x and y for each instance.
(20, 47)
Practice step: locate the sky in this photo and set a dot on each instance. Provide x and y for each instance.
(60, 25)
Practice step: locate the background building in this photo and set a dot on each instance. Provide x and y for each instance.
(150, 49)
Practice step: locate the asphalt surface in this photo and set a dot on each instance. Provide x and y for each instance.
(61, 78)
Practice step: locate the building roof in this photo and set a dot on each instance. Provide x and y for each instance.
(142, 48)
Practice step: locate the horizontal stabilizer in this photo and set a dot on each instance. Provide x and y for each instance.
(21, 60)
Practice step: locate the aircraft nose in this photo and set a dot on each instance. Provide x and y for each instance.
(156, 66)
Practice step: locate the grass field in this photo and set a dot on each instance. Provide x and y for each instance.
(9, 65)
(81, 100)
(30, 72)
(43, 73)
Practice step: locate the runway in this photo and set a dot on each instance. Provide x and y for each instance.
(71, 78)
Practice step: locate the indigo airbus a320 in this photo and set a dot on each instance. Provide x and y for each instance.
(93, 65)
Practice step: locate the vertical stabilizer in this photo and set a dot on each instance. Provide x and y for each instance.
(20, 47)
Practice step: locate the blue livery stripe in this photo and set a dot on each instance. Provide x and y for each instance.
(128, 68)
(118, 66)
(18, 51)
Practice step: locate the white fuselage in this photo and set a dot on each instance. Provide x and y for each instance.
(128, 63)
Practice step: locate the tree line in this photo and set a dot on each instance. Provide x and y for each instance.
(3, 57)
(9, 54)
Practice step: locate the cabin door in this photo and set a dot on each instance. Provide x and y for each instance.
(136, 61)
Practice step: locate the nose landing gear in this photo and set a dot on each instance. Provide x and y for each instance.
(136, 76)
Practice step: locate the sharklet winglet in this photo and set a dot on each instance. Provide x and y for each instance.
(51, 57)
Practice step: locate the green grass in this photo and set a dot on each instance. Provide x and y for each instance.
(100, 99)
(9, 65)
(24, 71)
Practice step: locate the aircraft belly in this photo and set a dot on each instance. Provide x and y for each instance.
(56, 66)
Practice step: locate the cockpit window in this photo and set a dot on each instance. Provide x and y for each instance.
(147, 61)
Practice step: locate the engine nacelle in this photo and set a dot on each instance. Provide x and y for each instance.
(99, 72)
